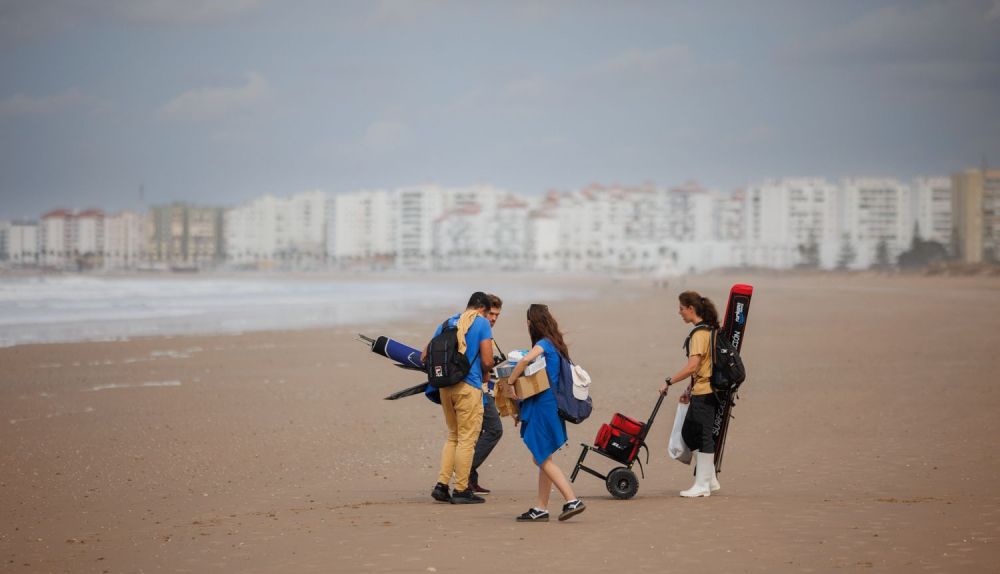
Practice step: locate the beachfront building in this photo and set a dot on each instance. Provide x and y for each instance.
(976, 215)
(22, 243)
(269, 232)
(4, 238)
(56, 239)
(876, 216)
(417, 209)
(184, 236)
(542, 240)
(124, 240)
(790, 223)
(640, 229)
(88, 238)
(465, 233)
(931, 205)
(510, 235)
(361, 229)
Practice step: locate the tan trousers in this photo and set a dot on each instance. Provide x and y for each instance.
(463, 412)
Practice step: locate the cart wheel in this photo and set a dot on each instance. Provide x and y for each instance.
(622, 483)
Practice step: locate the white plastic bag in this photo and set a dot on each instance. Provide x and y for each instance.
(677, 449)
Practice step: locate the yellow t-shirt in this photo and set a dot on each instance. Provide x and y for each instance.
(701, 344)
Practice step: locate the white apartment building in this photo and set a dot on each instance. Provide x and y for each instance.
(465, 235)
(4, 233)
(728, 215)
(932, 208)
(361, 227)
(510, 236)
(784, 217)
(542, 240)
(89, 234)
(22, 243)
(416, 211)
(284, 231)
(873, 210)
(124, 240)
(56, 239)
(463, 238)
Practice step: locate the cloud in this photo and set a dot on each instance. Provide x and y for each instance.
(407, 11)
(181, 11)
(213, 103)
(994, 12)
(30, 20)
(384, 136)
(22, 105)
(644, 63)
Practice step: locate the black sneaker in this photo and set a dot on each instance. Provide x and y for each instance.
(572, 508)
(466, 497)
(440, 493)
(534, 515)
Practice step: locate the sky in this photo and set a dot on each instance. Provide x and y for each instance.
(121, 104)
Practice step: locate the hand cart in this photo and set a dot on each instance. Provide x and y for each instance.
(621, 443)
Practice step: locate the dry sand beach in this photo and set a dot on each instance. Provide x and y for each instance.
(865, 440)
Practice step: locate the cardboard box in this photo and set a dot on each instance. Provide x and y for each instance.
(529, 386)
(506, 406)
(504, 369)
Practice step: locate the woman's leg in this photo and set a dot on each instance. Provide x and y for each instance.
(555, 475)
(544, 489)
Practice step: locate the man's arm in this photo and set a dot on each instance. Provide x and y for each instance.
(486, 355)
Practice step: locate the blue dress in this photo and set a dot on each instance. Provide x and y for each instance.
(542, 430)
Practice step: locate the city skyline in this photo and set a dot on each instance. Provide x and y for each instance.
(852, 223)
(220, 102)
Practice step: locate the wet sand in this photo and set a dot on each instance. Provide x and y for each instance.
(865, 439)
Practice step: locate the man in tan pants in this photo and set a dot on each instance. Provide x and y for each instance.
(462, 403)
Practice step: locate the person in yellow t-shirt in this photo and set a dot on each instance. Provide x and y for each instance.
(700, 420)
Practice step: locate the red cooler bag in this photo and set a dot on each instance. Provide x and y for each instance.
(627, 424)
(603, 436)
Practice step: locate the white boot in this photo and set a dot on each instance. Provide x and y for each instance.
(702, 476)
(715, 480)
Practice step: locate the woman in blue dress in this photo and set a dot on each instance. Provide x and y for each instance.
(541, 428)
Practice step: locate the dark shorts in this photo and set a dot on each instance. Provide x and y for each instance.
(699, 422)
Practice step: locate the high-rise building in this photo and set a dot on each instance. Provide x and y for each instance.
(21, 243)
(185, 236)
(361, 228)
(417, 208)
(57, 235)
(88, 240)
(975, 204)
(789, 223)
(876, 213)
(285, 231)
(932, 209)
(124, 240)
(4, 238)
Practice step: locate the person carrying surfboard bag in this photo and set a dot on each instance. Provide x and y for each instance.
(461, 400)
(700, 420)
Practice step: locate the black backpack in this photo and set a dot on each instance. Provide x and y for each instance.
(446, 366)
(728, 372)
(727, 366)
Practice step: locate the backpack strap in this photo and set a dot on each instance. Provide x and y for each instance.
(687, 342)
(687, 345)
